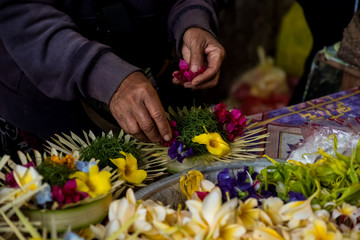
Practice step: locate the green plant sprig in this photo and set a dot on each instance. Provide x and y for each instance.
(54, 174)
(106, 147)
(338, 177)
(190, 124)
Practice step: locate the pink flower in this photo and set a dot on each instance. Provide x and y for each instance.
(221, 113)
(175, 134)
(185, 74)
(202, 195)
(233, 121)
(10, 180)
(67, 194)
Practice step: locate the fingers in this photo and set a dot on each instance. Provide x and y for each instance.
(209, 83)
(131, 127)
(146, 124)
(138, 110)
(196, 58)
(157, 113)
(200, 44)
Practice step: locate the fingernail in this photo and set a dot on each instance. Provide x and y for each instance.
(167, 138)
(194, 68)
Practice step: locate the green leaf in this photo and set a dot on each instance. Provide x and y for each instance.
(352, 173)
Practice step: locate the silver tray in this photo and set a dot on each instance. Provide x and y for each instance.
(167, 190)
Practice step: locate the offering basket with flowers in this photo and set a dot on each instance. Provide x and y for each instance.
(59, 191)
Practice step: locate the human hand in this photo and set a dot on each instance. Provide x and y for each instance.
(197, 45)
(138, 110)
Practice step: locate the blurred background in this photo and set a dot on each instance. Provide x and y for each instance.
(268, 43)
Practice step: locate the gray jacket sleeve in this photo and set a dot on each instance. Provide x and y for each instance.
(192, 13)
(46, 45)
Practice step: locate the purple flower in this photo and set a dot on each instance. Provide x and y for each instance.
(244, 186)
(226, 184)
(177, 150)
(271, 192)
(295, 196)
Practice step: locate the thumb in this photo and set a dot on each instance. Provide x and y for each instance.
(196, 59)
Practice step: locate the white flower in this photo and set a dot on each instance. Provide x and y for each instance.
(124, 209)
(24, 175)
(347, 210)
(272, 207)
(298, 210)
(265, 233)
(210, 217)
(317, 230)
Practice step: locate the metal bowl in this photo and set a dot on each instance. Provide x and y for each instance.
(168, 190)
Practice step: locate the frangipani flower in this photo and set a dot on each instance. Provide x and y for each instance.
(265, 233)
(10, 179)
(24, 175)
(317, 230)
(193, 184)
(176, 227)
(214, 143)
(210, 217)
(247, 213)
(94, 183)
(346, 211)
(128, 168)
(272, 207)
(298, 210)
(122, 211)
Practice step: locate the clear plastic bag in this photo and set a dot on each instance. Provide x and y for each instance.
(317, 134)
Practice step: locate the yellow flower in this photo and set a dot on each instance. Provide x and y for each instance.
(128, 168)
(214, 143)
(210, 219)
(317, 230)
(248, 213)
(264, 233)
(94, 183)
(193, 182)
(24, 175)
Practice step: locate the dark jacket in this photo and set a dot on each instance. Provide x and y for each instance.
(51, 55)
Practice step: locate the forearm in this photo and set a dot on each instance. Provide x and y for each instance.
(189, 13)
(47, 46)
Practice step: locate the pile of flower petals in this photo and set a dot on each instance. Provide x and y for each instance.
(185, 74)
(210, 218)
